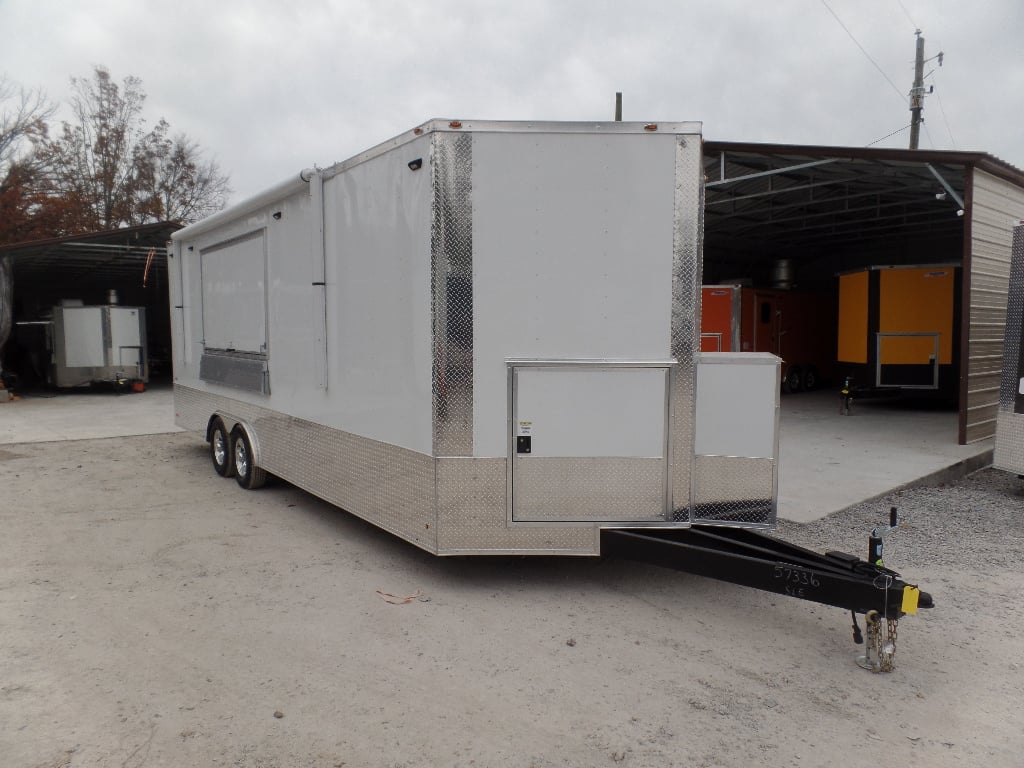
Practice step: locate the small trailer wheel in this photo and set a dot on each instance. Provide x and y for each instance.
(794, 379)
(247, 474)
(811, 378)
(220, 449)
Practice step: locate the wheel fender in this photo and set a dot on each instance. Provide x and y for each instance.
(209, 424)
(257, 454)
(230, 424)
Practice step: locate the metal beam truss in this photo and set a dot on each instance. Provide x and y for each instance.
(794, 201)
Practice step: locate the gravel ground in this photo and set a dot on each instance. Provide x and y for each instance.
(154, 614)
(976, 524)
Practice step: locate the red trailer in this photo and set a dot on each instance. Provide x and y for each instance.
(798, 326)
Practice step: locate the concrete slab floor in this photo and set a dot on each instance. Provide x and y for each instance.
(827, 462)
(41, 418)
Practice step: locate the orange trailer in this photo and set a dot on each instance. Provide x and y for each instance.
(798, 326)
(898, 326)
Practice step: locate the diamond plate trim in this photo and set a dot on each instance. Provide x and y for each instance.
(471, 516)
(388, 486)
(451, 264)
(1009, 446)
(1012, 349)
(686, 268)
(191, 409)
(564, 490)
(1008, 452)
(729, 489)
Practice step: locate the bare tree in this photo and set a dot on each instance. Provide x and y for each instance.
(116, 172)
(174, 182)
(23, 116)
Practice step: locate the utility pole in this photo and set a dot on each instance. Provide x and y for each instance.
(917, 93)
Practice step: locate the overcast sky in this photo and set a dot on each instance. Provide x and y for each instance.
(269, 88)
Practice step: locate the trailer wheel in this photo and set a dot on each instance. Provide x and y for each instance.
(220, 449)
(248, 475)
(811, 378)
(794, 379)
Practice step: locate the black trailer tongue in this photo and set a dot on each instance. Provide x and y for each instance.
(751, 559)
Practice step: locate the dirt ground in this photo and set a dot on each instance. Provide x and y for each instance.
(154, 614)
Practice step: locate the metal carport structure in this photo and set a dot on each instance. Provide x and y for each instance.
(831, 209)
(131, 261)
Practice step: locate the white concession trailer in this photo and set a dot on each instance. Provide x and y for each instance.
(479, 336)
(97, 344)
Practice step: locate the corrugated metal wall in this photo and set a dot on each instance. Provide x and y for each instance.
(996, 205)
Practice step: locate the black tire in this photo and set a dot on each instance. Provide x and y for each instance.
(811, 378)
(221, 454)
(247, 474)
(794, 379)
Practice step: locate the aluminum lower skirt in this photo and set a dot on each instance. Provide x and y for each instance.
(447, 506)
(1009, 447)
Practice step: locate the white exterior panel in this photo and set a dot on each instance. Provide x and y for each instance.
(737, 395)
(294, 334)
(573, 244)
(587, 412)
(83, 337)
(126, 337)
(377, 236)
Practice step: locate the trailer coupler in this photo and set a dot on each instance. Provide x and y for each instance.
(751, 559)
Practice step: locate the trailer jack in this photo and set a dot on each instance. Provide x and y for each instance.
(751, 559)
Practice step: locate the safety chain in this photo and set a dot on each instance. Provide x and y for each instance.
(882, 642)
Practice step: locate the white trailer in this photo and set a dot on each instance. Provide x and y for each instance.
(480, 336)
(97, 344)
(1009, 447)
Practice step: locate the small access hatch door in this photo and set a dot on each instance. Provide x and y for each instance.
(588, 441)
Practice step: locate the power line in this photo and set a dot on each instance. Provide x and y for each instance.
(928, 134)
(901, 130)
(899, 93)
(915, 26)
(945, 119)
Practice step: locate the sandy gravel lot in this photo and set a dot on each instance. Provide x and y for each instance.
(154, 614)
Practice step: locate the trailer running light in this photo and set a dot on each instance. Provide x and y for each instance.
(417, 131)
(651, 127)
(455, 124)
